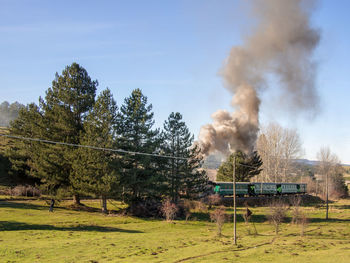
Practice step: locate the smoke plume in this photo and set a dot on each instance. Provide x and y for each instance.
(281, 46)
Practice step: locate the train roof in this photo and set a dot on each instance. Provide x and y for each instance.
(254, 183)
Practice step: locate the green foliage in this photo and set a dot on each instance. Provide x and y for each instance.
(247, 166)
(95, 171)
(59, 117)
(65, 106)
(23, 154)
(183, 176)
(196, 180)
(140, 177)
(4, 161)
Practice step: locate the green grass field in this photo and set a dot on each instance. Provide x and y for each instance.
(29, 233)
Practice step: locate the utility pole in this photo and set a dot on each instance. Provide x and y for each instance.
(327, 195)
(234, 200)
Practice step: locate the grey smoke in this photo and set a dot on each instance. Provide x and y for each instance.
(281, 45)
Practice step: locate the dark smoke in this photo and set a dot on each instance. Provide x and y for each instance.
(282, 44)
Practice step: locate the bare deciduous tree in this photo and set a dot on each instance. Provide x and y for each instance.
(278, 210)
(327, 167)
(219, 217)
(277, 147)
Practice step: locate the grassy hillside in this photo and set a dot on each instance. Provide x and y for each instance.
(29, 233)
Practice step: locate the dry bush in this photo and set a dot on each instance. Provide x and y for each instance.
(169, 210)
(214, 200)
(304, 221)
(25, 190)
(187, 209)
(219, 217)
(312, 185)
(184, 209)
(298, 215)
(197, 206)
(5, 191)
(200, 207)
(296, 210)
(278, 210)
(145, 208)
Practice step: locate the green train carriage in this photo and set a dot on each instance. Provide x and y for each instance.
(254, 188)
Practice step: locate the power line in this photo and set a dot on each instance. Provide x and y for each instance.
(92, 147)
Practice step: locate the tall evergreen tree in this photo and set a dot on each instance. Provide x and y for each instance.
(196, 180)
(182, 175)
(95, 171)
(23, 154)
(65, 106)
(247, 166)
(140, 178)
(59, 117)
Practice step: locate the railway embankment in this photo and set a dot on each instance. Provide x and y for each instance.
(306, 200)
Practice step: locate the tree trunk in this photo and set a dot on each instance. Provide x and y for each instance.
(104, 204)
(76, 199)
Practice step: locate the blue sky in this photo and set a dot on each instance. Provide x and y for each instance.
(173, 51)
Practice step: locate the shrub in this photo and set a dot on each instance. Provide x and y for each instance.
(185, 207)
(278, 210)
(219, 217)
(298, 215)
(197, 206)
(145, 208)
(296, 210)
(169, 210)
(214, 200)
(25, 190)
(304, 221)
(200, 206)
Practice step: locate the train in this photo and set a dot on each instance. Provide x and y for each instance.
(256, 189)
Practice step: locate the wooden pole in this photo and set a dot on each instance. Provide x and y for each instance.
(234, 200)
(327, 196)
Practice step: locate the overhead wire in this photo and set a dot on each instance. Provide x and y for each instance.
(104, 149)
(93, 147)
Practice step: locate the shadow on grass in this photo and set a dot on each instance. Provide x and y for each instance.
(342, 206)
(329, 220)
(26, 205)
(205, 217)
(22, 205)
(16, 226)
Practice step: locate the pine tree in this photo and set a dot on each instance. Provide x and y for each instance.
(247, 166)
(182, 175)
(140, 177)
(23, 154)
(95, 171)
(196, 181)
(59, 117)
(176, 141)
(66, 104)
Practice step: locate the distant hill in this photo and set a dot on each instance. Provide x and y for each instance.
(313, 163)
(306, 162)
(214, 161)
